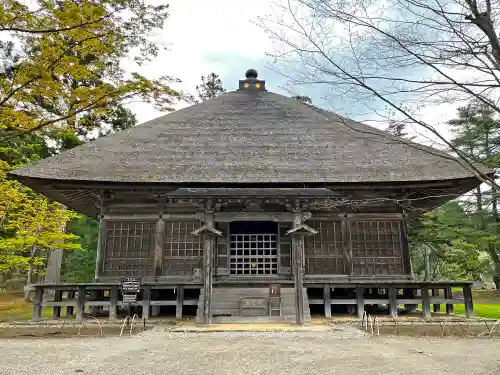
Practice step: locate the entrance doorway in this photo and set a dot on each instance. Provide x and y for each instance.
(254, 248)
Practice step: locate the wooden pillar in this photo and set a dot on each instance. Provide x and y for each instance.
(360, 300)
(37, 304)
(56, 310)
(113, 303)
(393, 305)
(209, 232)
(426, 304)
(208, 264)
(436, 306)
(179, 302)
(298, 249)
(159, 240)
(328, 300)
(404, 247)
(346, 246)
(70, 309)
(469, 306)
(80, 308)
(146, 301)
(448, 295)
(101, 244)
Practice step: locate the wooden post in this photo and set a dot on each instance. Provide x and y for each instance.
(393, 306)
(469, 306)
(436, 306)
(426, 304)
(113, 303)
(70, 309)
(328, 300)
(80, 309)
(207, 264)
(146, 301)
(159, 240)
(404, 247)
(298, 268)
(56, 310)
(179, 301)
(101, 244)
(346, 246)
(448, 295)
(360, 300)
(37, 304)
(209, 233)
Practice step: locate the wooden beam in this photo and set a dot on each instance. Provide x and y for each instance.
(223, 217)
(360, 291)
(179, 302)
(159, 242)
(152, 217)
(101, 246)
(426, 305)
(327, 300)
(469, 306)
(448, 294)
(393, 304)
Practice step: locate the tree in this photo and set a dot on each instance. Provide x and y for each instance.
(476, 133)
(64, 63)
(79, 266)
(30, 226)
(210, 87)
(446, 244)
(394, 57)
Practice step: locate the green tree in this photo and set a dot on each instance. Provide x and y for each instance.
(79, 266)
(476, 133)
(211, 86)
(446, 244)
(66, 67)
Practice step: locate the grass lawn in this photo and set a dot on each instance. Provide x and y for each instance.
(13, 307)
(486, 303)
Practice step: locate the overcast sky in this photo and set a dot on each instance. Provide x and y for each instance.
(219, 36)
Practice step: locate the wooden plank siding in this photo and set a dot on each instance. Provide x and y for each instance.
(357, 248)
(347, 246)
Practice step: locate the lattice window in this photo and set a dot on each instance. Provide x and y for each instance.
(323, 251)
(182, 251)
(254, 254)
(376, 247)
(129, 248)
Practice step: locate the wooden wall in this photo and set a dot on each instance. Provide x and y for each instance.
(359, 248)
(341, 247)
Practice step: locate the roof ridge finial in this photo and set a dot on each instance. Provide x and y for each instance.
(251, 73)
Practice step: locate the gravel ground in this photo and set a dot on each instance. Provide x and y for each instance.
(345, 351)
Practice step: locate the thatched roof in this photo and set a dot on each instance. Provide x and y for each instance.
(248, 136)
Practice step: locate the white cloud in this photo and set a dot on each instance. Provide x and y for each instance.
(195, 31)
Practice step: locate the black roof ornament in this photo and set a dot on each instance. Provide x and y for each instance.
(251, 82)
(251, 73)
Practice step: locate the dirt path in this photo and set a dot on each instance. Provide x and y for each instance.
(333, 352)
